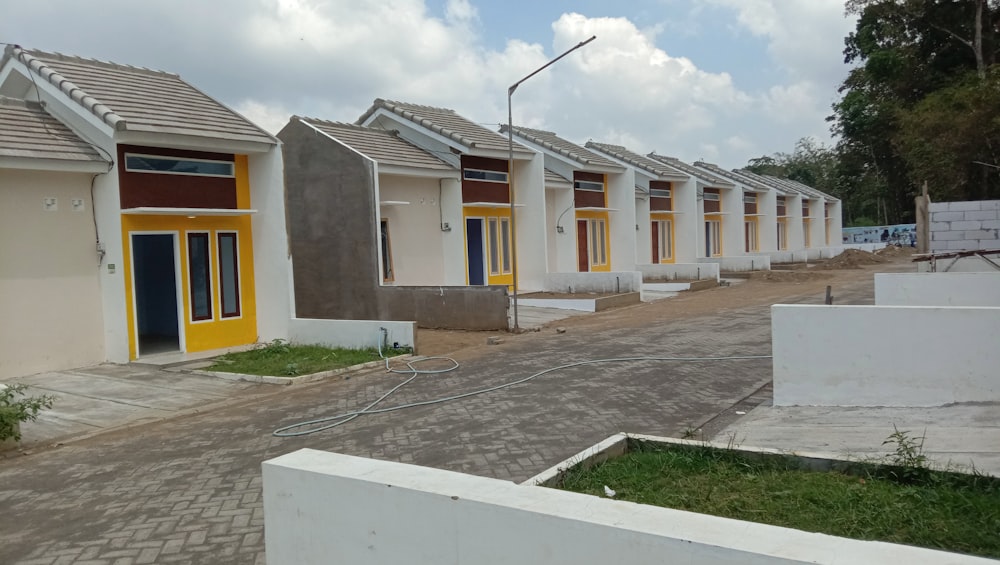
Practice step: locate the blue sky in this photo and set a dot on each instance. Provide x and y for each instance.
(721, 80)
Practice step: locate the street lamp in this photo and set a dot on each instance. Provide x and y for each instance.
(510, 162)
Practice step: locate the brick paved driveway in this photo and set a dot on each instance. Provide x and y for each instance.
(188, 490)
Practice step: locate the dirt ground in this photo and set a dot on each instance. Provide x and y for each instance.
(767, 287)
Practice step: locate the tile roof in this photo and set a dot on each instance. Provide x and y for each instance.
(28, 131)
(769, 181)
(704, 176)
(136, 99)
(384, 146)
(733, 176)
(554, 178)
(556, 144)
(444, 122)
(636, 160)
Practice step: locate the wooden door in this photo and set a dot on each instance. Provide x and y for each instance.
(582, 250)
(656, 242)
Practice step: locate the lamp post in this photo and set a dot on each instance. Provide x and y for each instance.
(510, 163)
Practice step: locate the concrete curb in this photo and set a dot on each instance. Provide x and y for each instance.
(299, 379)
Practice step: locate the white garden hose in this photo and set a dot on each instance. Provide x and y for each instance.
(328, 422)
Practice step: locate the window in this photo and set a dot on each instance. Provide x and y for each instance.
(782, 235)
(713, 196)
(499, 245)
(598, 243)
(713, 238)
(199, 270)
(494, 247)
(659, 192)
(589, 185)
(505, 240)
(749, 198)
(229, 274)
(388, 275)
(666, 242)
(750, 229)
(177, 166)
(485, 176)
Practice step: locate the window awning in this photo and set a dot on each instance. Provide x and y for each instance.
(596, 209)
(157, 211)
(393, 203)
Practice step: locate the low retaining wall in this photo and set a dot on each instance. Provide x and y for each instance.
(684, 271)
(447, 307)
(329, 508)
(797, 256)
(817, 253)
(741, 264)
(617, 282)
(937, 289)
(884, 355)
(352, 334)
(595, 304)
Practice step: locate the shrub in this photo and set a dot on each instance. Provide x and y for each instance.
(16, 407)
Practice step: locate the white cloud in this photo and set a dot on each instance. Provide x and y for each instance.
(273, 58)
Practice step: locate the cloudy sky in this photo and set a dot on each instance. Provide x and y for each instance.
(720, 80)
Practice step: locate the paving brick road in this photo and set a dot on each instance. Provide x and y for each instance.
(188, 490)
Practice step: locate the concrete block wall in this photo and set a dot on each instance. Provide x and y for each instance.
(965, 226)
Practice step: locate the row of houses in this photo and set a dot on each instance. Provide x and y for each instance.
(139, 216)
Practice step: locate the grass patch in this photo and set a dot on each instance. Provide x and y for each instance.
(908, 505)
(281, 359)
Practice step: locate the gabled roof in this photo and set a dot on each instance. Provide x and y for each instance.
(713, 181)
(136, 99)
(444, 122)
(28, 132)
(809, 190)
(556, 144)
(733, 176)
(384, 146)
(638, 161)
(555, 178)
(773, 182)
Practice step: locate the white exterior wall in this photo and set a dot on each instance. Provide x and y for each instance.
(644, 231)
(817, 225)
(272, 257)
(529, 199)
(793, 222)
(565, 242)
(415, 234)
(733, 240)
(50, 311)
(836, 223)
(767, 223)
(688, 222)
(621, 198)
(452, 241)
(878, 355)
(324, 508)
(700, 229)
(937, 289)
(351, 334)
(965, 226)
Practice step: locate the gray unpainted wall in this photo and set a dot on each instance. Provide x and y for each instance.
(331, 208)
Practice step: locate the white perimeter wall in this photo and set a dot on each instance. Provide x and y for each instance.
(415, 229)
(350, 334)
(629, 281)
(937, 289)
(50, 296)
(324, 508)
(884, 355)
(740, 264)
(684, 271)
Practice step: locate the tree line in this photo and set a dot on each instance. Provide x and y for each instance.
(920, 105)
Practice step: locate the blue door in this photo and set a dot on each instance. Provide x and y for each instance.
(474, 248)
